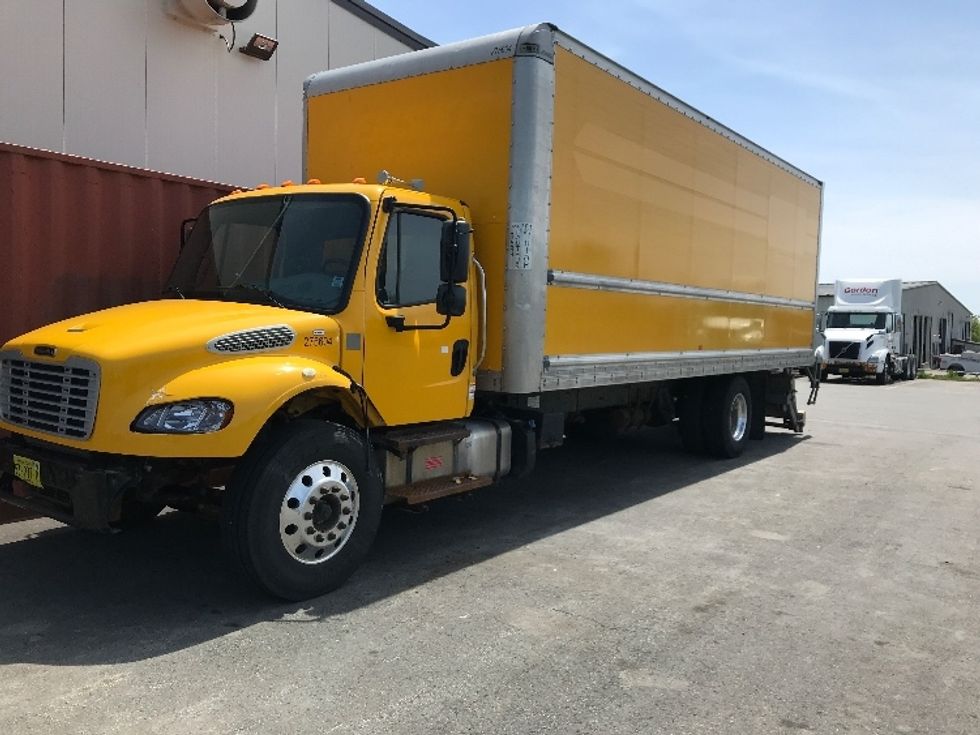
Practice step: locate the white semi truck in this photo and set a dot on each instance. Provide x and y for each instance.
(864, 334)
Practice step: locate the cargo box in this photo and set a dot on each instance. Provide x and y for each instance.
(626, 237)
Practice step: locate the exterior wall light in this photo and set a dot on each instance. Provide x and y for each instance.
(260, 47)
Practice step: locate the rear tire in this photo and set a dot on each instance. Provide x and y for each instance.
(302, 510)
(727, 417)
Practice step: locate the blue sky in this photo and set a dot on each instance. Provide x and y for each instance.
(880, 100)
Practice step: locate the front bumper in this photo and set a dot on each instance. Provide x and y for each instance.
(83, 489)
(851, 367)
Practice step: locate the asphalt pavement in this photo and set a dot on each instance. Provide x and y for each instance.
(821, 583)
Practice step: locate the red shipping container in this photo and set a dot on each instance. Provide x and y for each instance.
(77, 235)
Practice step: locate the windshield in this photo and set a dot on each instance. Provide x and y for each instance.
(299, 251)
(856, 320)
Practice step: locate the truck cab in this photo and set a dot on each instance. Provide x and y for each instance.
(863, 332)
(258, 351)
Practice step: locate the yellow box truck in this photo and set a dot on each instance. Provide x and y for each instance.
(593, 251)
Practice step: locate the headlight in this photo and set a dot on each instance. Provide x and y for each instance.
(873, 358)
(201, 416)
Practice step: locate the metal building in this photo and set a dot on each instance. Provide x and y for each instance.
(116, 117)
(933, 317)
(164, 85)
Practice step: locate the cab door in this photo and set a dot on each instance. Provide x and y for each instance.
(417, 367)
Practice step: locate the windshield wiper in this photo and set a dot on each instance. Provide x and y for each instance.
(276, 226)
(255, 288)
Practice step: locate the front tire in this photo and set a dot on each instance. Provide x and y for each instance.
(885, 376)
(302, 510)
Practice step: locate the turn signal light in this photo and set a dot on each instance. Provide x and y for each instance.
(287, 182)
(263, 185)
(360, 180)
(314, 181)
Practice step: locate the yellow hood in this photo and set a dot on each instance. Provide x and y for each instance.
(158, 352)
(162, 328)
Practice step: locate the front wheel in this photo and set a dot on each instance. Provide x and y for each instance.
(885, 376)
(302, 510)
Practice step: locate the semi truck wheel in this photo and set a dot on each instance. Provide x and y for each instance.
(302, 510)
(727, 417)
(885, 376)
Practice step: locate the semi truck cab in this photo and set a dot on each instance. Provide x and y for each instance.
(864, 332)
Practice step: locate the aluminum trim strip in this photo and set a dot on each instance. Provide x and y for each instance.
(625, 358)
(528, 214)
(658, 288)
(494, 47)
(582, 371)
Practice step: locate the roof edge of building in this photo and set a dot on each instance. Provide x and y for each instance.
(387, 24)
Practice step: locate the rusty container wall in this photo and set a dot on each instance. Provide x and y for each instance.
(78, 235)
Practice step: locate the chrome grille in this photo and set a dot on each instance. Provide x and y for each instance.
(254, 340)
(56, 398)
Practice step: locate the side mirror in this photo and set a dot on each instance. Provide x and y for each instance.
(454, 261)
(185, 230)
(450, 300)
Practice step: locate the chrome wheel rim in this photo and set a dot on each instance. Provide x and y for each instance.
(319, 512)
(738, 417)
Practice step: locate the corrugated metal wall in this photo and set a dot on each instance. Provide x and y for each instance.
(78, 235)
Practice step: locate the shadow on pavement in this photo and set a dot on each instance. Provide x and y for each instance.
(72, 598)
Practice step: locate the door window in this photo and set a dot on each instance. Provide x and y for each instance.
(409, 266)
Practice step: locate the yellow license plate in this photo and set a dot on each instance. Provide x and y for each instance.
(28, 470)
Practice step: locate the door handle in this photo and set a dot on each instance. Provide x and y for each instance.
(461, 349)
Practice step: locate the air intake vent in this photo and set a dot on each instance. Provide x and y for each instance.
(254, 340)
(56, 398)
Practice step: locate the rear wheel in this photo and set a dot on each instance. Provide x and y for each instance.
(955, 369)
(303, 510)
(727, 417)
